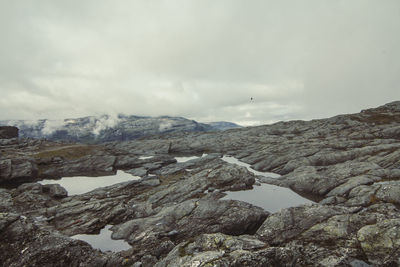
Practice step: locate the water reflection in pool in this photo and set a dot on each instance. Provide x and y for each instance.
(233, 160)
(82, 184)
(184, 159)
(103, 241)
(146, 157)
(272, 198)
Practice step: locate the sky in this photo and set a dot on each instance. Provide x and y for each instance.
(247, 61)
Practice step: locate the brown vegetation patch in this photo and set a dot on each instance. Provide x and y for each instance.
(377, 118)
(69, 152)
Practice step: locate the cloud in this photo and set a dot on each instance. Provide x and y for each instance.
(51, 126)
(198, 59)
(165, 125)
(104, 122)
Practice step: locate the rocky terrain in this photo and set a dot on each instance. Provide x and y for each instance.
(174, 215)
(105, 128)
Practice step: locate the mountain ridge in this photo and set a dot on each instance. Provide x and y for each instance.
(106, 128)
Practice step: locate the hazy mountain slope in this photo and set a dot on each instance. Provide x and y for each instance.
(96, 129)
(224, 125)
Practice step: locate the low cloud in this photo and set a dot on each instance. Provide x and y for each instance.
(50, 126)
(104, 122)
(203, 60)
(165, 125)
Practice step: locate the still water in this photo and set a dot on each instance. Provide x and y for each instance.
(233, 160)
(184, 159)
(103, 241)
(82, 184)
(272, 198)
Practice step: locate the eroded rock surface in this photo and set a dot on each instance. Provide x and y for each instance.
(173, 215)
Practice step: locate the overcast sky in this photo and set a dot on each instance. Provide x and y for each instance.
(202, 59)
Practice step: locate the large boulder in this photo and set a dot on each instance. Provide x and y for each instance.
(186, 220)
(23, 243)
(17, 170)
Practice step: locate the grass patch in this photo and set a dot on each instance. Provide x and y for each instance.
(172, 178)
(377, 118)
(373, 200)
(165, 181)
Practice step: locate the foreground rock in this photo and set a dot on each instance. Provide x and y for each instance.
(186, 220)
(27, 244)
(17, 170)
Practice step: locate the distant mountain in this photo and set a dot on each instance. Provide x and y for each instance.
(105, 128)
(223, 125)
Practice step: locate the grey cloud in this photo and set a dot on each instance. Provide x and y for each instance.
(198, 59)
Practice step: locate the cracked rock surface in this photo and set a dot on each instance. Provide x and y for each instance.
(174, 216)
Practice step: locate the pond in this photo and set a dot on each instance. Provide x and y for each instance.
(82, 184)
(184, 159)
(233, 160)
(103, 241)
(272, 198)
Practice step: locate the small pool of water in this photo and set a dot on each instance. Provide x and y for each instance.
(103, 241)
(146, 157)
(272, 198)
(233, 160)
(184, 159)
(82, 184)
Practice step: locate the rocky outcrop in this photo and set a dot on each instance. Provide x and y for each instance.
(174, 215)
(185, 220)
(27, 244)
(8, 132)
(17, 170)
(44, 159)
